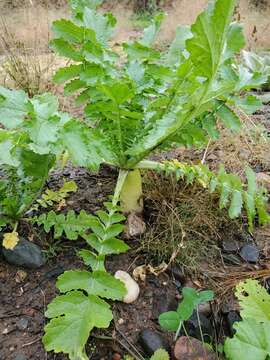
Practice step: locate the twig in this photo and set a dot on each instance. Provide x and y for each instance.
(205, 152)
(111, 338)
(139, 356)
(31, 342)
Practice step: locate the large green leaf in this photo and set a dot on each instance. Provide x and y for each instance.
(254, 300)
(67, 30)
(85, 147)
(97, 283)
(209, 40)
(13, 107)
(251, 341)
(151, 32)
(101, 25)
(73, 316)
(170, 320)
(7, 155)
(176, 52)
(229, 118)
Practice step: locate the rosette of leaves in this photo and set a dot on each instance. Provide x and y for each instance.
(252, 336)
(29, 144)
(147, 100)
(81, 307)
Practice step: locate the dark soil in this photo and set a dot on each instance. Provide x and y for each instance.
(23, 301)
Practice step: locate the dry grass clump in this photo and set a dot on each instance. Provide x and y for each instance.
(186, 219)
(24, 68)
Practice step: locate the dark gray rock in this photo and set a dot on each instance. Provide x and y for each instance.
(163, 303)
(250, 253)
(230, 245)
(25, 254)
(193, 326)
(152, 341)
(22, 324)
(231, 318)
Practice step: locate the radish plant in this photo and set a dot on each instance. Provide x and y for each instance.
(137, 100)
(140, 100)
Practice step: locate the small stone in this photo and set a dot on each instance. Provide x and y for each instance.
(250, 253)
(22, 324)
(26, 254)
(121, 321)
(188, 348)
(116, 356)
(230, 245)
(20, 357)
(133, 289)
(194, 327)
(152, 341)
(163, 303)
(135, 226)
(231, 318)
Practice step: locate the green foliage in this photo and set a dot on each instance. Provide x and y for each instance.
(50, 198)
(252, 339)
(258, 63)
(73, 316)
(145, 101)
(151, 100)
(71, 224)
(81, 309)
(160, 355)
(29, 144)
(233, 194)
(173, 320)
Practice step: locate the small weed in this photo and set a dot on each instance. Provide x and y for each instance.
(52, 249)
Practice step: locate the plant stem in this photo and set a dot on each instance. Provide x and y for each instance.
(15, 226)
(178, 330)
(131, 193)
(201, 333)
(119, 185)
